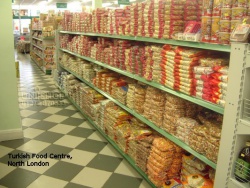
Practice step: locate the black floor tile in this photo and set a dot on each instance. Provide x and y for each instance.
(81, 132)
(73, 185)
(43, 125)
(49, 137)
(66, 112)
(104, 162)
(19, 178)
(39, 115)
(73, 121)
(14, 143)
(91, 146)
(56, 149)
(63, 170)
(13, 153)
(122, 181)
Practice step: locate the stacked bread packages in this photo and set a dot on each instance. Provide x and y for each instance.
(149, 18)
(211, 78)
(141, 20)
(175, 108)
(156, 68)
(184, 126)
(134, 19)
(159, 19)
(147, 68)
(103, 106)
(154, 106)
(143, 149)
(164, 161)
(210, 129)
(177, 67)
(174, 23)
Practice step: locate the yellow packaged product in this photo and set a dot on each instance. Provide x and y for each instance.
(238, 13)
(227, 3)
(215, 29)
(239, 3)
(234, 23)
(226, 13)
(206, 24)
(224, 37)
(225, 25)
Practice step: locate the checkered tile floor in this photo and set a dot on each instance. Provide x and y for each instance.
(60, 129)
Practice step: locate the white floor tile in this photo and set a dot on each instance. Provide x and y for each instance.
(4, 151)
(46, 181)
(145, 184)
(110, 151)
(80, 157)
(61, 128)
(26, 113)
(69, 141)
(51, 110)
(33, 146)
(56, 118)
(97, 136)
(5, 169)
(28, 122)
(78, 115)
(40, 169)
(86, 125)
(71, 107)
(88, 177)
(32, 133)
(126, 169)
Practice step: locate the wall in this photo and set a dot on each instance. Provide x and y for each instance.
(10, 122)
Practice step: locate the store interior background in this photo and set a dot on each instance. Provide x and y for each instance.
(17, 16)
(24, 10)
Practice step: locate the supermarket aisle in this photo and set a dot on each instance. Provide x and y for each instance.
(59, 129)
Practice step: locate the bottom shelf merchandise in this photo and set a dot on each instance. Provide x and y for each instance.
(161, 162)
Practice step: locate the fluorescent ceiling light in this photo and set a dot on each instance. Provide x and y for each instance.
(106, 4)
(86, 1)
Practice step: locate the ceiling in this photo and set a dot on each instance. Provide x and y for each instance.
(53, 2)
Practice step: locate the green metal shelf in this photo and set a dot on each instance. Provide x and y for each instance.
(37, 46)
(41, 67)
(37, 38)
(36, 29)
(195, 100)
(37, 54)
(146, 121)
(128, 158)
(45, 38)
(207, 46)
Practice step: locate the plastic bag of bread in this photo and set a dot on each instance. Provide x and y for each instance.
(163, 145)
(194, 162)
(197, 181)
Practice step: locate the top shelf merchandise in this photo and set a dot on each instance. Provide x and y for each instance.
(164, 20)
